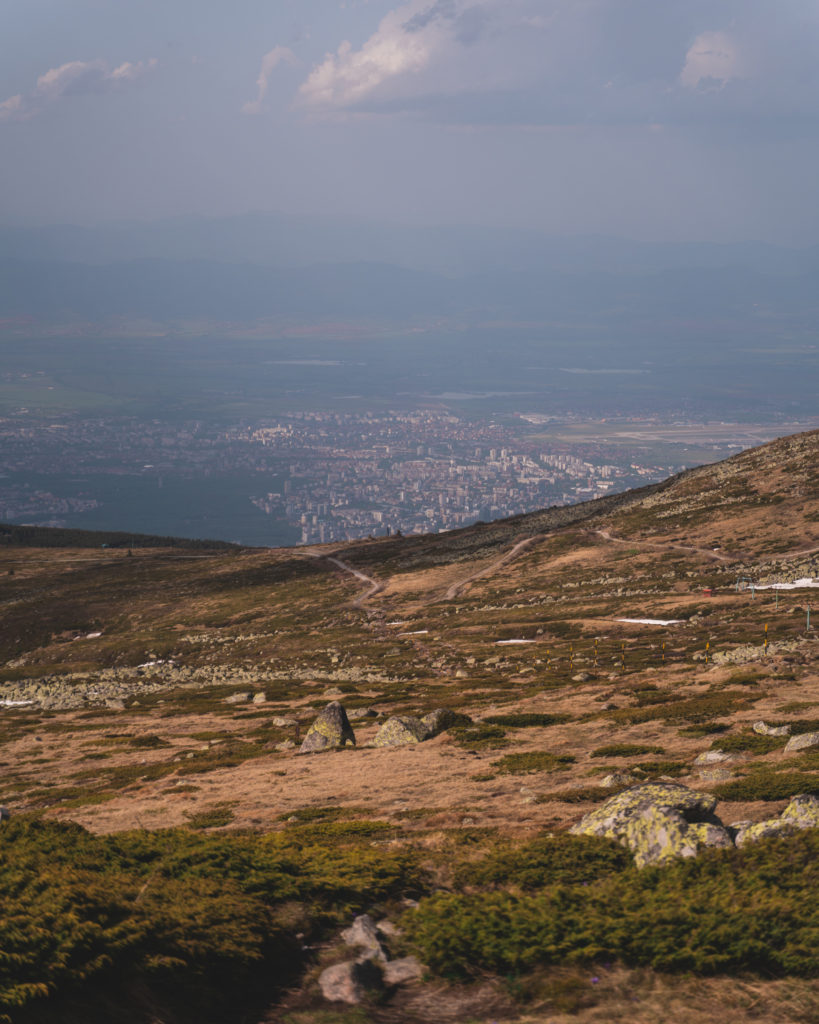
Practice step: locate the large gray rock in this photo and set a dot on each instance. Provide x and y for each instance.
(658, 822)
(713, 757)
(348, 982)
(401, 731)
(330, 729)
(802, 742)
(803, 809)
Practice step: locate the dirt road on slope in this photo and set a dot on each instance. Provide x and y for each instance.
(488, 570)
(706, 552)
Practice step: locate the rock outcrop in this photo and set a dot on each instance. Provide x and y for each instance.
(803, 741)
(400, 731)
(658, 822)
(801, 812)
(330, 729)
(763, 729)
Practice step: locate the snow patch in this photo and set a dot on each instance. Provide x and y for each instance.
(651, 622)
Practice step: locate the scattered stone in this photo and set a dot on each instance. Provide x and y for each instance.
(713, 757)
(400, 731)
(438, 721)
(804, 809)
(358, 713)
(617, 779)
(333, 691)
(363, 934)
(282, 722)
(238, 698)
(582, 677)
(386, 927)
(115, 704)
(403, 971)
(657, 821)
(260, 697)
(285, 745)
(348, 982)
(529, 795)
(802, 742)
(763, 729)
(330, 729)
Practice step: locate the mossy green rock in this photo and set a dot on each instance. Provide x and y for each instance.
(400, 731)
(801, 812)
(658, 822)
(438, 720)
(331, 729)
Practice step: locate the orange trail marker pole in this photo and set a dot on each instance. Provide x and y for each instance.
(707, 649)
(664, 654)
(766, 637)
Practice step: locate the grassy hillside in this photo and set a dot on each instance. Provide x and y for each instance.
(167, 842)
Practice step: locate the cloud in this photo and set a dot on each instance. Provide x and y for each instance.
(76, 77)
(270, 62)
(712, 61)
(406, 42)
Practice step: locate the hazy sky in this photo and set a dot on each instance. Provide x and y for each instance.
(677, 119)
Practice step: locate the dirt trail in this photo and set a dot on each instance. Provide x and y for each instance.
(707, 552)
(511, 554)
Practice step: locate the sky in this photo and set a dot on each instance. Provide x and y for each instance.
(674, 120)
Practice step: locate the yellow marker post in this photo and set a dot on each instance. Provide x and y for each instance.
(707, 649)
(766, 637)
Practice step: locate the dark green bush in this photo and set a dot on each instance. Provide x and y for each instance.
(626, 750)
(724, 911)
(527, 720)
(479, 736)
(748, 741)
(534, 761)
(548, 860)
(764, 784)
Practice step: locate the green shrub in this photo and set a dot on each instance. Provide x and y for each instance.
(534, 761)
(626, 750)
(527, 720)
(213, 817)
(764, 784)
(548, 860)
(748, 742)
(724, 911)
(479, 737)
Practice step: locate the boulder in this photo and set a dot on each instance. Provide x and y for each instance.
(801, 812)
(617, 780)
(285, 745)
(657, 821)
(712, 757)
(403, 971)
(363, 934)
(330, 729)
(438, 721)
(803, 809)
(358, 713)
(348, 982)
(260, 697)
(802, 742)
(282, 721)
(714, 774)
(239, 698)
(401, 731)
(763, 729)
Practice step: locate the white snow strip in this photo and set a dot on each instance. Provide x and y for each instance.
(651, 622)
(15, 703)
(507, 643)
(417, 632)
(92, 636)
(796, 585)
(398, 622)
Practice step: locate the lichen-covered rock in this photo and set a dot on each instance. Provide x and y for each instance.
(714, 774)
(763, 829)
(438, 720)
(801, 812)
(763, 729)
(330, 729)
(657, 821)
(348, 982)
(712, 757)
(617, 780)
(239, 698)
(400, 731)
(358, 713)
(802, 742)
(803, 809)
